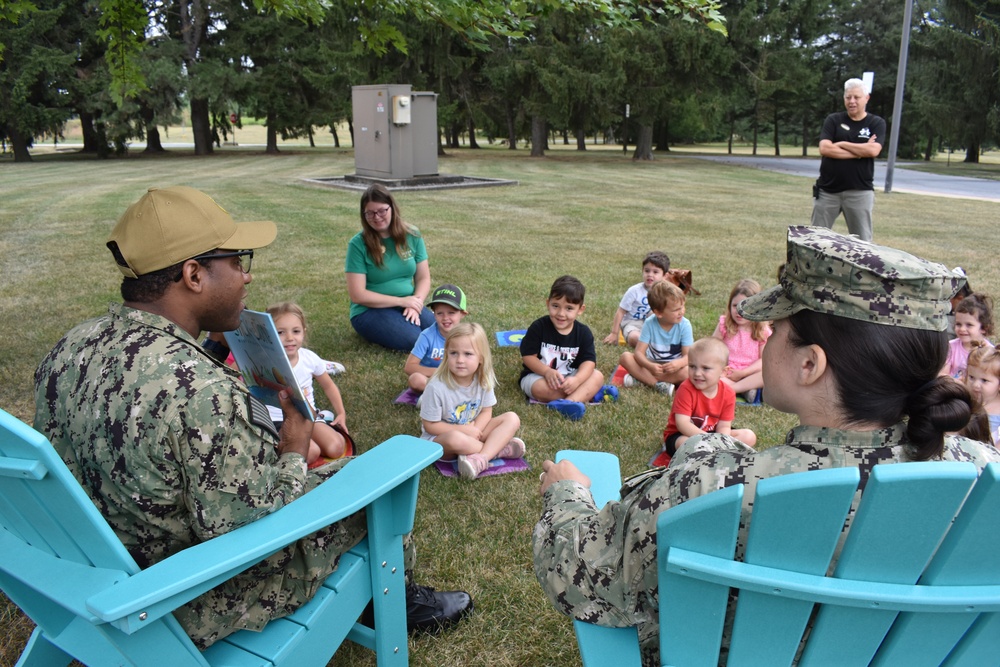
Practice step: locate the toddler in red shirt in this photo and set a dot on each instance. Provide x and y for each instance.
(702, 403)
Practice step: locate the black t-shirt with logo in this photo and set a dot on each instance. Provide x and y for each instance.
(840, 175)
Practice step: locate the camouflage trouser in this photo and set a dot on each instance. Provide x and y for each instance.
(279, 585)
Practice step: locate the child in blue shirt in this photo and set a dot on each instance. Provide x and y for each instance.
(660, 357)
(449, 307)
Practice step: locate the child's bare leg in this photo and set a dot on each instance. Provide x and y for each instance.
(498, 433)
(314, 453)
(541, 391)
(753, 381)
(632, 338)
(633, 368)
(456, 443)
(417, 382)
(588, 387)
(676, 377)
(745, 435)
(330, 443)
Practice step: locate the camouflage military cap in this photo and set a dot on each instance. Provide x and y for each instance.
(827, 272)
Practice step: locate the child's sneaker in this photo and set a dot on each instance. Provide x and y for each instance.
(572, 410)
(628, 381)
(335, 368)
(606, 394)
(470, 466)
(618, 377)
(515, 449)
(665, 388)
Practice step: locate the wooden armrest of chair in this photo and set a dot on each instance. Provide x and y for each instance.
(161, 588)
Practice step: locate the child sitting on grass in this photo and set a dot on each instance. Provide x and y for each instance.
(660, 357)
(634, 306)
(982, 377)
(973, 323)
(457, 407)
(449, 307)
(745, 340)
(329, 440)
(703, 403)
(560, 362)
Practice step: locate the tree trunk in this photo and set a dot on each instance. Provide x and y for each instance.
(153, 144)
(336, 138)
(20, 145)
(732, 131)
(200, 127)
(930, 148)
(472, 133)
(581, 139)
(538, 136)
(511, 127)
(777, 146)
(805, 137)
(350, 130)
(312, 142)
(972, 153)
(755, 127)
(644, 143)
(91, 140)
(272, 135)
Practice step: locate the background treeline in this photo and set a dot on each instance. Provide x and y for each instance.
(769, 81)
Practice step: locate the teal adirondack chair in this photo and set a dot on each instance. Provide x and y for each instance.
(917, 581)
(62, 565)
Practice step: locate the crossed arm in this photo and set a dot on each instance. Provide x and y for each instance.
(846, 150)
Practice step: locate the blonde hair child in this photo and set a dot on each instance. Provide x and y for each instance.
(983, 380)
(328, 440)
(457, 406)
(973, 323)
(745, 340)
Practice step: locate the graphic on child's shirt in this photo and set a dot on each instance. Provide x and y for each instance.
(559, 358)
(642, 310)
(465, 412)
(699, 422)
(663, 353)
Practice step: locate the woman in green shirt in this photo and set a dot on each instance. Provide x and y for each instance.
(388, 276)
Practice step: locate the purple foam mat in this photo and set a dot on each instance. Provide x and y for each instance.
(497, 467)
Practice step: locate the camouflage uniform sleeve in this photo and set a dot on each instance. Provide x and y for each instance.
(577, 556)
(233, 473)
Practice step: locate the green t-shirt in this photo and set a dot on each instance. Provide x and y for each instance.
(395, 276)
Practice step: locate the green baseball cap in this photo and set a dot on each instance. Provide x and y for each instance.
(451, 295)
(170, 225)
(827, 272)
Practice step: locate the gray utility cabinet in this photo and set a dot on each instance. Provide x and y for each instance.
(395, 131)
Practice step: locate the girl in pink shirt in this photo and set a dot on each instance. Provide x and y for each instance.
(745, 340)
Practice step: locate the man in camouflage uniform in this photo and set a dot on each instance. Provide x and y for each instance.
(166, 439)
(600, 566)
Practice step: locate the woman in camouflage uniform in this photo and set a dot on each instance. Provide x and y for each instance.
(859, 336)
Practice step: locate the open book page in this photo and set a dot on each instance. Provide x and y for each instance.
(262, 360)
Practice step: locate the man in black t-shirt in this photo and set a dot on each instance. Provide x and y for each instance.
(849, 143)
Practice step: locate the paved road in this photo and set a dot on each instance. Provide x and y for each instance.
(903, 180)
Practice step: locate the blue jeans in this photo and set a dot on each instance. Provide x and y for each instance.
(387, 327)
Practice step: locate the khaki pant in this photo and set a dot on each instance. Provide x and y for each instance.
(856, 206)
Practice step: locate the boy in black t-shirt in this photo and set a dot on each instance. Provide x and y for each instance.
(560, 362)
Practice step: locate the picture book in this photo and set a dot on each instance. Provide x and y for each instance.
(262, 360)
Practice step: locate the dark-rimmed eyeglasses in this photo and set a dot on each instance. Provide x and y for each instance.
(246, 258)
(377, 212)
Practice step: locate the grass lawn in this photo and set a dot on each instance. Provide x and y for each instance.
(592, 214)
